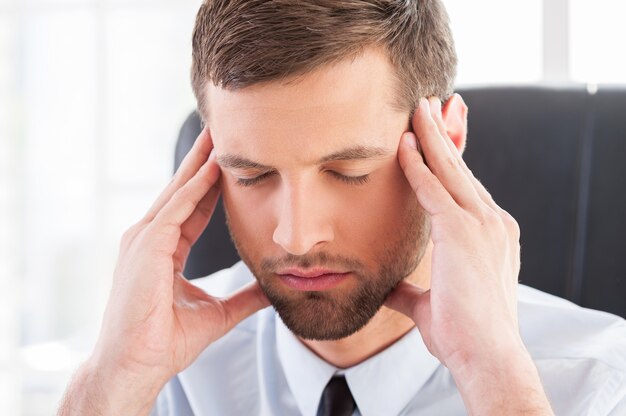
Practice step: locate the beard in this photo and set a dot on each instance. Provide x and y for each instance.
(337, 313)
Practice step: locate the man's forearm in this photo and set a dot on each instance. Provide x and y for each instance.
(97, 391)
(508, 386)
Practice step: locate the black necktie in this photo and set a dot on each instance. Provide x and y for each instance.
(337, 399)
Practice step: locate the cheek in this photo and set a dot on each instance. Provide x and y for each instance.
(378, 212)
(247, 213)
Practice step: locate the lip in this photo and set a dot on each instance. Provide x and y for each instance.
(313, 279)
(309, 273)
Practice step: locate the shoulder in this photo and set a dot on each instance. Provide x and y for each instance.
(579, 352)
(555, 326)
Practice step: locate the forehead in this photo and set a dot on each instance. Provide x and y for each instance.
(334, 107)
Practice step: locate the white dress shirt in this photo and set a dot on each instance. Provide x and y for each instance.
(261, 368)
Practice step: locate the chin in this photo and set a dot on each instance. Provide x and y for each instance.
(323, 316)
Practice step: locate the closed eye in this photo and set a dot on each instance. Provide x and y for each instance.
(253, 181)
(352, 180)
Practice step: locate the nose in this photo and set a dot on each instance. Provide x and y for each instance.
(303, 219)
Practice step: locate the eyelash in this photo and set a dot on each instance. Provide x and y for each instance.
(352, 180)
(252, 181)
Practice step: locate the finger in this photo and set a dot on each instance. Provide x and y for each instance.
(185, 200)
(435, 111)
(485, 196)
(244, 303)
(194, 226)
(216, 316)
(411, 301)
(429, 191)
(194, 159)
(441, 161)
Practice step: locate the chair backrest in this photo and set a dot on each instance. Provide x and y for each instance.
(551, 157)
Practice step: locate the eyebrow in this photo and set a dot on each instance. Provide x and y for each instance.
(351, 153)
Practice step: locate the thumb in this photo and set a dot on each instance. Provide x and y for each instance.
(243, 303)
(411, 301)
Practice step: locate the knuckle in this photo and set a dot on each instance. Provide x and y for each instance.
(469, 172)
(493, 217)
(130, 234)
(452, 162)
(127, 236)
(446, 165)
(488, 222)
(433, 129)
(511, 224)
(180, 193)
(185, 195)
(173, 179)
(205, 209)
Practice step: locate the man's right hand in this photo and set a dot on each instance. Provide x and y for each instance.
(156, 323)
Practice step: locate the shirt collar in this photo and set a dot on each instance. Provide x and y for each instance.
(306, 373)
(382, 384)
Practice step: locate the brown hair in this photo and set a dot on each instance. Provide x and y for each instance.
(237, 43)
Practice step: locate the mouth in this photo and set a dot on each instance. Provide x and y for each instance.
(312, 279)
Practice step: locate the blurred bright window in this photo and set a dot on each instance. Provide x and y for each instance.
(92, 94)
(597, 36)
(498, 42)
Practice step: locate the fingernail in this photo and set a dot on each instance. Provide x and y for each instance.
(438, 106)
(425, 104)
(410, 140)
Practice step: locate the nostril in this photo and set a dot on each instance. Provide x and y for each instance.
(301, 224)
(302, 239)
(289, 241)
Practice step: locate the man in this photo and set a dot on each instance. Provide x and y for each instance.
(391, 272)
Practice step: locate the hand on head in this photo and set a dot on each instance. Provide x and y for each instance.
(156, 323)
(471, 306)
(468, 317)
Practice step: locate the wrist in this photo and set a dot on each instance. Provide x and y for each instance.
(99, 388)
(490, 356)
(502, 380)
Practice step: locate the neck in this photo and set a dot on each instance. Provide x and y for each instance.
(385, 328)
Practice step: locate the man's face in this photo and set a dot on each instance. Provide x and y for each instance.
(317, 204)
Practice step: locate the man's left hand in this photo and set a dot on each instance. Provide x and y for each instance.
(468, 317)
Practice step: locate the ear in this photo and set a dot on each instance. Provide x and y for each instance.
(454, 114)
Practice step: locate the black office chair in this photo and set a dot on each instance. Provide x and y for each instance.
(554, 159)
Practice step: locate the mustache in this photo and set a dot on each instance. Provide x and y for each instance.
(319, 259)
